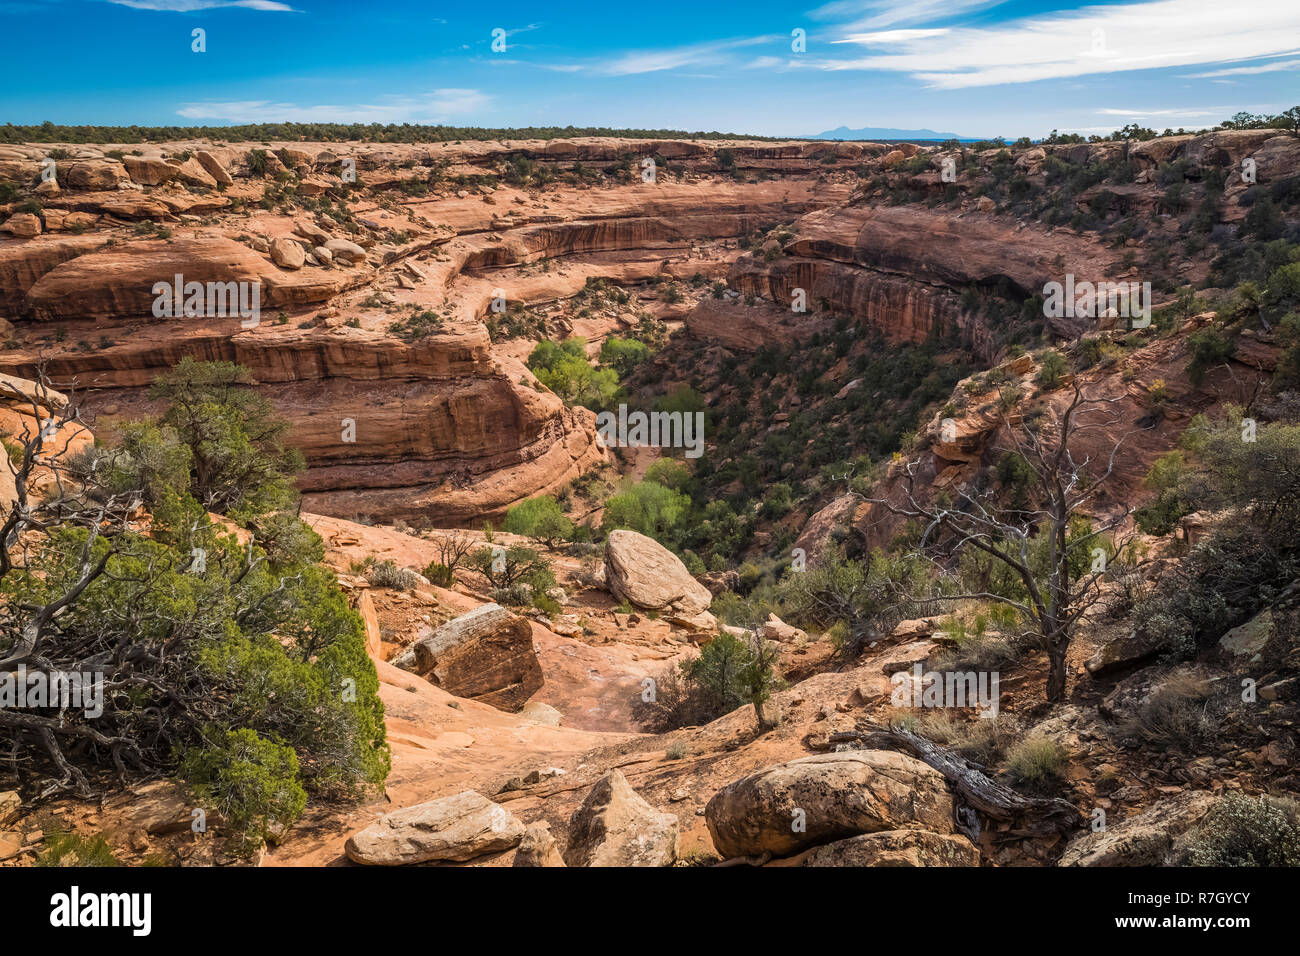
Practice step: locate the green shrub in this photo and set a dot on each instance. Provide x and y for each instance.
(249, 781)
(649, 508)
(728, 673)
(1246, 831)
(1209, 348)
(564, 369)
(623, 355)
(670, 473)
(540, 518)
(440, 575)
(546, 604)
(506, 567)
(223, 635)
(1052, 369)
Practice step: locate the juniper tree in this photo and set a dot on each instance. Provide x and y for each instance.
(1056, 556)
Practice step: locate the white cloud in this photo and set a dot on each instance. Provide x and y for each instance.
(884, 13)
(189, 6)
(700, 54)
(886, 37)
(1210, 111)
(1247, 70)
(436, 106)
(1101, 39)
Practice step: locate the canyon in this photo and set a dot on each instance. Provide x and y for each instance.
(399, 307)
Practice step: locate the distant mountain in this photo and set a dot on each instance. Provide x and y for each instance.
(880, 132)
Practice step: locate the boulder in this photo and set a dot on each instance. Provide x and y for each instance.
(148, 170)
(452, 828)
(616, 827)
(538, 847)
(486, 655)
(296, 157)
(313, 186)
(1226, 147)
(803, 803)
(897, 848)
(212, 166)
(95, 174)
(775, 629)
(323, 255)
(1143, 840)
(311, 231)
(160, 808)
(905, 656)
(644, 573)
(1249, 640)
(540, 713)
(346, 250)
(191, 172)
(11, 844)
(287, 254)
(23, 225)
(1122, 651)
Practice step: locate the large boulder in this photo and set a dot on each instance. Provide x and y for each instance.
(486, 655)
(346, 250)
(94, 174)
(452, 828)
(1143, 840)
(644, 573)
(826, 797)
(616, 827)
(897, 848)
(212, 166)
(149, 170)
(287, 254)
(193, 173)
(24, 225)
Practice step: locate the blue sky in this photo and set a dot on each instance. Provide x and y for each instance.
(973, 67)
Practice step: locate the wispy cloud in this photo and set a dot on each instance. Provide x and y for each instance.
(1272, 67)
(434, 107)
(718, 53)
(1208, 112)
(874, 14)
(189, 6)
(1099, 39)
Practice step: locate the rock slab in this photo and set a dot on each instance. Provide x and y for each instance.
(453, 828)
